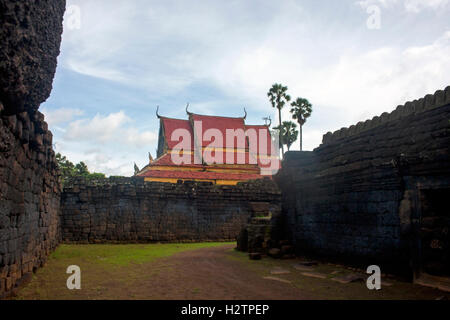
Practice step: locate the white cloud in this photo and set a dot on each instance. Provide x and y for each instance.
(240, 49)
(357, 87)
(373, 81)
(164, 46)
(136, 138)
(412, 6)
(112, 128)
(102, 160)
(176, 44)
(106, 143)
(100, 128)
(60, 116)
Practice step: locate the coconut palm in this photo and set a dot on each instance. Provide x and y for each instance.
(301, 110)
(278, 98)
(288, 133)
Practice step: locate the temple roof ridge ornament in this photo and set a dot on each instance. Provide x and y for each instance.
(157, 112)
(267, 120)
(187, 111)
(191, 114)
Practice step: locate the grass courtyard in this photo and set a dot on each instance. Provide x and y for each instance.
(198, 271)
(105, 269)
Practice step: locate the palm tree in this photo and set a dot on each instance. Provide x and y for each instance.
(278, 98)
(288, 133)
(301, 110)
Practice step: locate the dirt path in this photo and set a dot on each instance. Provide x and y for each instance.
(212, 274)
(216, 273)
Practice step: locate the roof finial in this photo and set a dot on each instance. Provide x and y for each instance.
(267, 120)
(245, 116)
(157, 114)
(187, 111)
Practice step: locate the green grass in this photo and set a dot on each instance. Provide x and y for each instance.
(123, 255)
(147, 271)
(107, 271)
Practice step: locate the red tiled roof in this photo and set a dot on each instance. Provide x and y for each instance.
(212, 122)
(213, 159)
(170, 125)
(167, 160)
(264, 131)
(200, 175)
(219, 123)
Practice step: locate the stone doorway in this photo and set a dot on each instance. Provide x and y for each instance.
(435, 231)
(434, 238)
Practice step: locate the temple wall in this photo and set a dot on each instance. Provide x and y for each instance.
(356, 197)
(29, 197)
(29, 191)
(30, 38)
(130, 210)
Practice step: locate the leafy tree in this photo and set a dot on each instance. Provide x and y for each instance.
(81, 169)
(96, 175)
(301, 110)
(278, 98)
(65, 167)
(288, 133)
(68, 170)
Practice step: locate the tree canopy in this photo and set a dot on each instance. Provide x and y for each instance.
(279, 98)
(288, 133)
(68, 170)
(301, 110)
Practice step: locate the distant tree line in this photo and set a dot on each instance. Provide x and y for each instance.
(68, 170)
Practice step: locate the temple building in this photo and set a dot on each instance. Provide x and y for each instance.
(221, 150)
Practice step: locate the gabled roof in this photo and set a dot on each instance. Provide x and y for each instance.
(200, 175)
(220, 123)
(215, 164)
(170, 125)
(167, 160)
(262, 131)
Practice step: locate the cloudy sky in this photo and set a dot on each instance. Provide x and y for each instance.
(121, 58)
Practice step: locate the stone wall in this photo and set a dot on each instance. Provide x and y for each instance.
(30, 37)
(29, 197)
(131, 210)
(431, 101)
(29, 190)
(355, 198)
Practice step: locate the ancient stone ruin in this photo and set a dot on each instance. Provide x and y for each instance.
(36, 214)
(132, 210)
(29, 188)
(373, 193)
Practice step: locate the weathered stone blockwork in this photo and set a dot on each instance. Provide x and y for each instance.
(356, 196)
(29, 197)
(29, 192)
(131, 210)
(30, 37)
